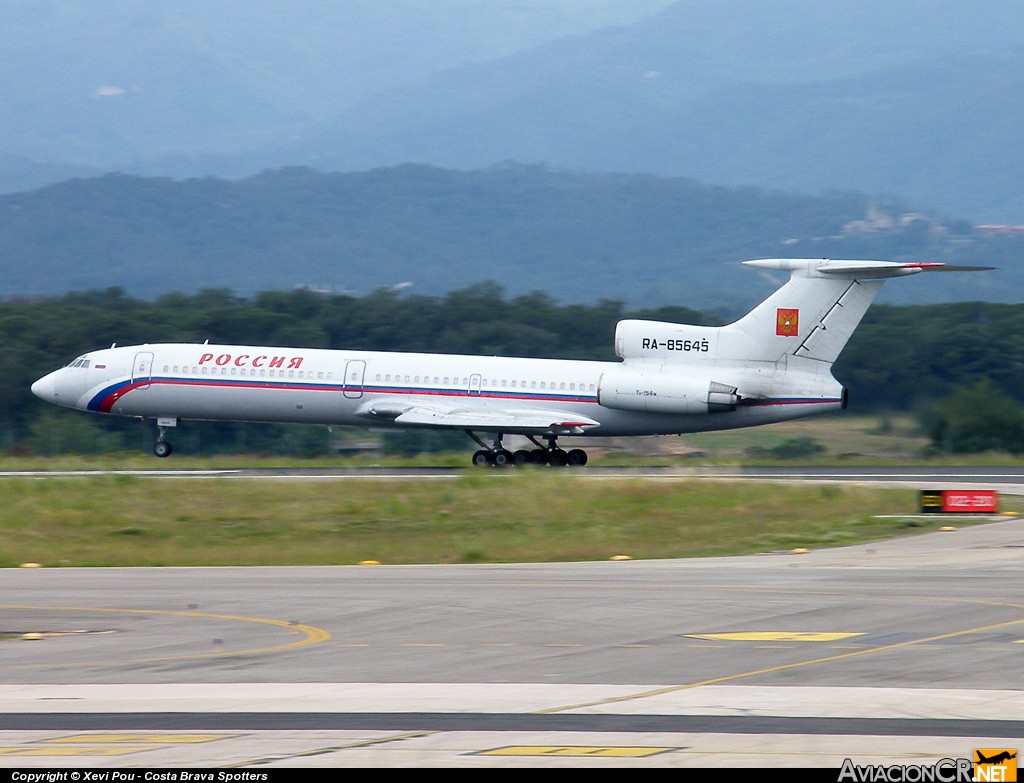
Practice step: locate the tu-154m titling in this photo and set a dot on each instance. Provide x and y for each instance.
(773, 364)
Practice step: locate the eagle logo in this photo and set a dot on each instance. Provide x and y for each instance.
(787, 322)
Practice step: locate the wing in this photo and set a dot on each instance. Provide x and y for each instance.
(464, 417)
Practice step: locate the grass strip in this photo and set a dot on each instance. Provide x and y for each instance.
(477, 517)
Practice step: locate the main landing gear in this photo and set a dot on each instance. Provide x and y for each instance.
(499, 457)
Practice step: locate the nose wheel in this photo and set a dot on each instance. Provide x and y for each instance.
(162, 448)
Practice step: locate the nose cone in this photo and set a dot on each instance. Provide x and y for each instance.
(45, 388)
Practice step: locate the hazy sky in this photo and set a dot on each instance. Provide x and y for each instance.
(899, 98)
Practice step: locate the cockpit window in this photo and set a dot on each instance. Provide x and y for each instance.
(79, 362)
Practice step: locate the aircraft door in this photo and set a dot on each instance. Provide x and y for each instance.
(355, 371)
(474, 383)
(142, 369)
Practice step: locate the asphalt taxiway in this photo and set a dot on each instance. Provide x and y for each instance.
(905, 651)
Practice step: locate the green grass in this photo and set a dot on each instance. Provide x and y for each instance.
(480, 516)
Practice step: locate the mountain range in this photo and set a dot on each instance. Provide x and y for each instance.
(911, 100)
(573, 237)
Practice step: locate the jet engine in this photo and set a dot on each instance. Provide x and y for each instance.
(660, 392)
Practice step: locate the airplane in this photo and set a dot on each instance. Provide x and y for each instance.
(996, 759)
(771, 365)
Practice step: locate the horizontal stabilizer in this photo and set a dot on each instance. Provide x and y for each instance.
(861, 270)
(953, 268)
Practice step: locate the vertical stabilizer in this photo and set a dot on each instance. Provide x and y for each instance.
(812, 316)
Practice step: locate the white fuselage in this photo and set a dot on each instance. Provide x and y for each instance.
(316, 386)
(773, 364)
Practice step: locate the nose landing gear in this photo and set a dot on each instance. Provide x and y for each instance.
(162, 447)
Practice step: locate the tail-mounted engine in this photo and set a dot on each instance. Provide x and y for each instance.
(660, 341)
(663, 392)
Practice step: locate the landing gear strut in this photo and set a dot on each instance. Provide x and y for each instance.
(162, 447)
(498, 456)
(494, 455)
(576, 458)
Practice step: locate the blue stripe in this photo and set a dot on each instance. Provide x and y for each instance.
(97, 403)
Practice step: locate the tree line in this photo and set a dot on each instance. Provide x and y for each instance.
(900, 359)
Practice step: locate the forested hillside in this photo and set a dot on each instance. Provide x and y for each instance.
(900, 359)
(580, 238)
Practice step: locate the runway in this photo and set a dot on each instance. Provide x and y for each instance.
(1009, 479)
(905, 651)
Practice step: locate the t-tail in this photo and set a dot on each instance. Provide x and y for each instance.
(816, 312)
(778, 356)
(812, 316)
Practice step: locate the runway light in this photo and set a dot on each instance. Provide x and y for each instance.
(31, 565)
(31, 637)
(800, 551)
(369, 562)
(947, 528)
(620, 557)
